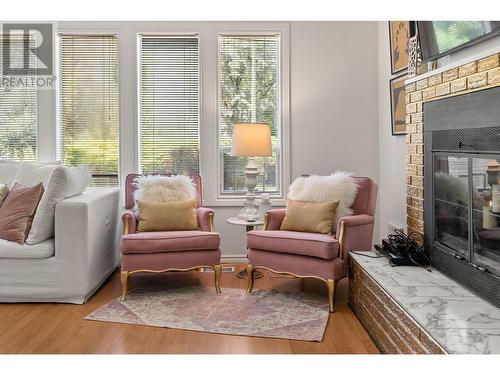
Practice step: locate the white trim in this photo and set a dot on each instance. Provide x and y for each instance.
(128, 97)
(237, 258)
(466, 60)
(57, 97)
(215, 197)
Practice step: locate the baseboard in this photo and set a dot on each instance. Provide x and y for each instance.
(237, 258)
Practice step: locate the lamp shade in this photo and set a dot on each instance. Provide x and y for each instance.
(251, 140)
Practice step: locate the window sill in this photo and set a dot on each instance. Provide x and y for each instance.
(238, 202)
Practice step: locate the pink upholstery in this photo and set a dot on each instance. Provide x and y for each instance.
(298, 264)
(300, 255)
(129, 216)
(159, 242)
(366, 198)
(130, 188)
(164, 250)
(203, 215)
(283, 241)
(173, 259)
(275, 218)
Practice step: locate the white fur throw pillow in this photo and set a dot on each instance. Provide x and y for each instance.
(157, 188)
(339, 186)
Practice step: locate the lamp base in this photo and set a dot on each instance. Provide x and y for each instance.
(249, 212)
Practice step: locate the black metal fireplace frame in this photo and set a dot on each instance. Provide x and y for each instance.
(465, 125)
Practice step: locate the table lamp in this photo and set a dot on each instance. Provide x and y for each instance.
(251, 140)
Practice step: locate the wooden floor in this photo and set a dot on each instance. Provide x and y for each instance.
(60, 328)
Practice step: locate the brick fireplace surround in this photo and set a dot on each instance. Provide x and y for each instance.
(474, 76)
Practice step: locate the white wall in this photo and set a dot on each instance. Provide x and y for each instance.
(333, 99)
(392, 149)
(334, 108)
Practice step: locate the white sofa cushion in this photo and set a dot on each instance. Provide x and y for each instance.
(8, 170)
(60, 182)
(12, 250)
(31, 174)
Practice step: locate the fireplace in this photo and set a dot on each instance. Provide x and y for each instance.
(462, 189)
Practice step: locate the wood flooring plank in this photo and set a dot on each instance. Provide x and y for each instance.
(60, 328)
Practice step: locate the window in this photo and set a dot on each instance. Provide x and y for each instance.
(89, 116)
(18, 108)
(249, 91)
(169, 120)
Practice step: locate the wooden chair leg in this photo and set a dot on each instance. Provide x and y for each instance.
(332, 285)
(218, 273)
(249, 278)
(124, 282)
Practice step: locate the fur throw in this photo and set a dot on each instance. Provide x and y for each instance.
(157, 188)
(338, 187)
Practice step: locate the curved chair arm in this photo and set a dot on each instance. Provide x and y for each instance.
(205, 218)
(129, 222)
(355, 233)
(273, 218)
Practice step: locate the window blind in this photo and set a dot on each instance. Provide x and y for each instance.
(169, 104)
(18, 106)
(89, 131)
(249, 72)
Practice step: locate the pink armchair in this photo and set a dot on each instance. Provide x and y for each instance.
(313, 255)
(176, 251)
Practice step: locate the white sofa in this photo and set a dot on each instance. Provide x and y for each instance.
(73, 264)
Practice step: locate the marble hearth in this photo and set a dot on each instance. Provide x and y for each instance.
(460, 322)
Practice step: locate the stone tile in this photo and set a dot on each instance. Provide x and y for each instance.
(422, 84)
(467, 69)
(415, 96)
(428, 93)
(435, 80)
(450, 75)
(411, 108)
(443, 89)
(459, 321)
(489, 62)
(458, 85)
(494, 76)
(477, 80)
(410, 87)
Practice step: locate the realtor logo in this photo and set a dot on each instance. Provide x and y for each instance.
(27, 49)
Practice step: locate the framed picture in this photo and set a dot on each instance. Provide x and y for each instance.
(399, 32)
(398, 105)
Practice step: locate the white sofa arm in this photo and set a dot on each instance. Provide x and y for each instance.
(86, 238)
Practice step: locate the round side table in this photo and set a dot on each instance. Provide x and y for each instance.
(249, 225)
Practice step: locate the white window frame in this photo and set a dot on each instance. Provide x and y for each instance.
(139, 89)
(39, 133)
(284, 116)
(57, 116)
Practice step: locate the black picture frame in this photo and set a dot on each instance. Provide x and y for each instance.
(398, 104)
(396, 66)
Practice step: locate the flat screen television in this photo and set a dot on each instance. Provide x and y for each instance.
(439, 38)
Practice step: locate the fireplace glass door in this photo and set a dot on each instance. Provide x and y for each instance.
(451, 202)
(486, 208)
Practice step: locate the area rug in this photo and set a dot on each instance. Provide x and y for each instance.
(263, 313)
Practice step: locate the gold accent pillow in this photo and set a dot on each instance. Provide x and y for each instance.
(309, 216)
(166, 216)
(4, 190)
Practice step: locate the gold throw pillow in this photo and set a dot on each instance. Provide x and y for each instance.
(309, 216)
(166, 216)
